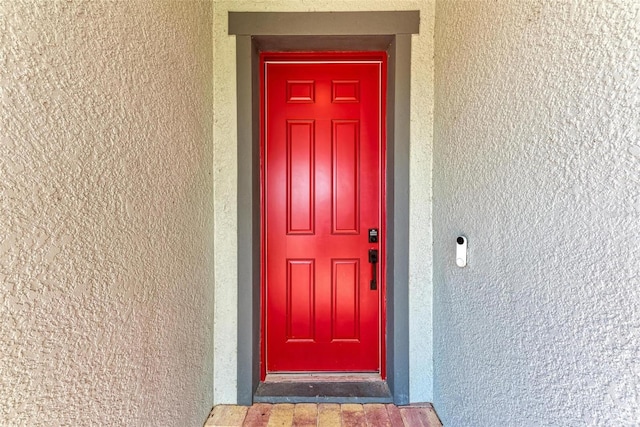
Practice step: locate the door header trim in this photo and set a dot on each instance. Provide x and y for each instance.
(324, 23)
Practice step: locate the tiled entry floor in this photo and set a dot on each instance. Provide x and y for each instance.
(324, 414)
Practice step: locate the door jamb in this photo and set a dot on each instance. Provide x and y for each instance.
(257, 31)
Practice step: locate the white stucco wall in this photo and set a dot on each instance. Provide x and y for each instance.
(225, 172)
(537, 161)
(106, 255)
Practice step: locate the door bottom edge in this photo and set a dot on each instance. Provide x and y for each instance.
(319, 377)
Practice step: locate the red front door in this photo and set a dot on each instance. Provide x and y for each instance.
(323, 157)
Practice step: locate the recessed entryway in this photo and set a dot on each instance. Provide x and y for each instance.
(348, 31)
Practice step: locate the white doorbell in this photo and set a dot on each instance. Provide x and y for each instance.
(461, 251)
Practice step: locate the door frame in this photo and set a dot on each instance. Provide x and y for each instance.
(326, 57)
(323, 31)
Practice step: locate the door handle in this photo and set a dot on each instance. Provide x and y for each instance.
(373, 259)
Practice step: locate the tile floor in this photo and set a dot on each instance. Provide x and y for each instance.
(324, 414)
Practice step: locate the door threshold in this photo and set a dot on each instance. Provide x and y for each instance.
(323, 388)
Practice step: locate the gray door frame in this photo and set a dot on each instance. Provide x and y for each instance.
(322, 31)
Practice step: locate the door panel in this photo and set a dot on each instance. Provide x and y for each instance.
(345, 176)
(300, 176)
(345, 287)
(301, 304)
(322, 189)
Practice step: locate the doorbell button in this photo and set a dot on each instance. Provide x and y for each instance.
(461, 251)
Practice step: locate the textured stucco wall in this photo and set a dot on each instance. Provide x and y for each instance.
(225, 172)
(537, 161)
(106, 214)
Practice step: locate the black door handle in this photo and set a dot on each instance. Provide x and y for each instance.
(373, 259)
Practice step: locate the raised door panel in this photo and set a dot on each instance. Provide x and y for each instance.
(346, 177)
(300, 176)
